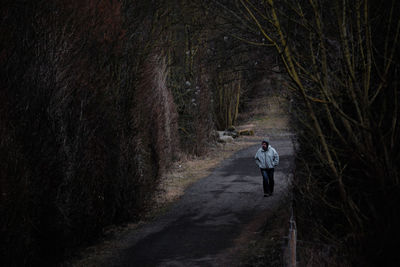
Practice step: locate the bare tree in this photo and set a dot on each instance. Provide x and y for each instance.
(341, 60)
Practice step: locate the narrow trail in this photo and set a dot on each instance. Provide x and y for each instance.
(217, 216)
(214, 215)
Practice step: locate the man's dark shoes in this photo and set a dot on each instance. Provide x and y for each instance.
(266, 195)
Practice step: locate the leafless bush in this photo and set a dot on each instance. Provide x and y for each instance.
(77, 155)
(156, 100)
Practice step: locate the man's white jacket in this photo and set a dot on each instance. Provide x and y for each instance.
(267, 159)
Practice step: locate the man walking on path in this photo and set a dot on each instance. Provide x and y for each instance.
(267, 159)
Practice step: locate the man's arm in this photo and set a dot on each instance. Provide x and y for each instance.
(258, 162)
(276, 158)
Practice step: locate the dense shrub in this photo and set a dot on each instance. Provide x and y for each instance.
(79, 150)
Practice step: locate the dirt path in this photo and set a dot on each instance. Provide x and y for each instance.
(217, 216)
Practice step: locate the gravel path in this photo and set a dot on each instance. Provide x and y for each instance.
(213, 217)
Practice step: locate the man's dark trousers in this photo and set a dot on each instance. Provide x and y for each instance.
(268, 180)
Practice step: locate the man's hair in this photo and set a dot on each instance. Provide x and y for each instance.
(265, 141)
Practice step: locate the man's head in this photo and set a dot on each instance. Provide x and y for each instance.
(264, 144)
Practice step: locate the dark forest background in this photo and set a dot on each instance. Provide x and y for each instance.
(99, 97)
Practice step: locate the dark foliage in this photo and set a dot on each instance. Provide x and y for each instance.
(79, 150)
(364, 223)
(342, 64)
